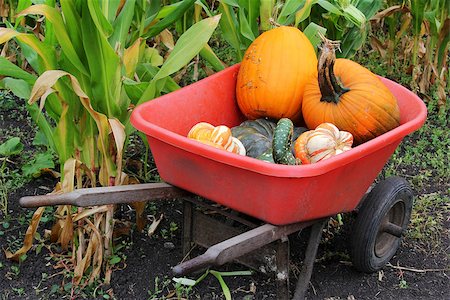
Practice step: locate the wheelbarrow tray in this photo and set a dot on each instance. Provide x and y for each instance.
(276, 194)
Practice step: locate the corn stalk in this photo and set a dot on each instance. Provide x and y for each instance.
(92, 62)
(425, 50)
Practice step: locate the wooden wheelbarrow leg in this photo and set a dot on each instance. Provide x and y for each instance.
(308, 263)
(106, 195)
(237, 246)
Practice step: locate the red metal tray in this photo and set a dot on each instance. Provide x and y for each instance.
(276, 194)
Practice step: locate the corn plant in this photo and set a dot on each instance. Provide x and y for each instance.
(90, 63)
(421, 42)
(343, 20)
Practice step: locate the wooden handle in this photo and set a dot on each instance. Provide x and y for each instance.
(106, 195)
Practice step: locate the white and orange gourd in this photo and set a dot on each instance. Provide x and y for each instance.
(217, 136)
(322, 143)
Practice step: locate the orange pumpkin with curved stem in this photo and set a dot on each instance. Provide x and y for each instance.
(349, 96)
(273, 74)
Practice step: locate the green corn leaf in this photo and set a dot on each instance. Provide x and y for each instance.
(329, 7)
(229, 27)
(354, 15)
(146, 72)
(169, 19)
(102, 24)
(244, 26)
(152, 12)
(417, 12)
(8, 69)
(109, 8)
(234, 3)
(151, 56)
(40, 57)
(312, 32)
(235, 273)
(208, 54)
(369, 7)
(49, 33)
(149, 93)
(153, 90)
(64, 135)
(167, 10)
(187, 46)
(205, 7)
(253, 14)
(265, 13)
(290, 7)
(72, 20)
(47, 54)
(19, 87)
(223, 285)
(121, 25)
(21, 5)
(32, 57)
(13, 146)
(134, 89)
(304, 12)
(53, 16)
(42, 123)
(104, 66)
(352, 41)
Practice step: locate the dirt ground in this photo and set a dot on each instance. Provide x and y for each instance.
(416, 271)
(148, 258)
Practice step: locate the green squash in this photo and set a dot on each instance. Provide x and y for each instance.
(282, 143)
(257, 135)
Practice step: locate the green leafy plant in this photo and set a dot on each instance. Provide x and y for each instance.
(90, 64)
(218, 275)
(11, 147)
(346, 21)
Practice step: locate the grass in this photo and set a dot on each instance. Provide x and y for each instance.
(426, 229)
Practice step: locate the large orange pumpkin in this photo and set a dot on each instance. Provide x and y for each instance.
(273, 73)
(349, 96)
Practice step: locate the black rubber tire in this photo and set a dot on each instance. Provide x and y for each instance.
(371, 246)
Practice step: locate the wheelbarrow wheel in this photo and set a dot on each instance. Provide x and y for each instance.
(380, 223)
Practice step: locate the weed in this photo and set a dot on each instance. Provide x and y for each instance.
(3, 197)
(173, 228)
(427, 221)
(161, 286)
(403, 284)
(13, 272)
(7, 100)
(19, 291)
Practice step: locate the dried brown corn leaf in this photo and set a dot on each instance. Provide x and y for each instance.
(29, 236)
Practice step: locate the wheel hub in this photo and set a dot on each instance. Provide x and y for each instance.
(391, 228)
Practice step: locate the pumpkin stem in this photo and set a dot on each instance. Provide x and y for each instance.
(330, 87)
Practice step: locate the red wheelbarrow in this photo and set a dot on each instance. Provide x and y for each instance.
(273, 200)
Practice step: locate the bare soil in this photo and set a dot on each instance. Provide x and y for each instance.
(149, 259)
